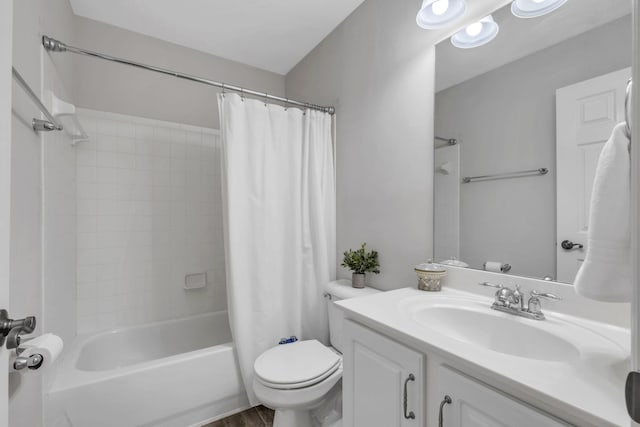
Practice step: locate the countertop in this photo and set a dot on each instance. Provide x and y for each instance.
(587, 391)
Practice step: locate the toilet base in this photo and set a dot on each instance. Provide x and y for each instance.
(291, 418)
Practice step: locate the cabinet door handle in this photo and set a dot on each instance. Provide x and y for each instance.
(447, 401)
(410, 415)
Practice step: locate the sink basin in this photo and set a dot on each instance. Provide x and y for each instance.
(480, 326)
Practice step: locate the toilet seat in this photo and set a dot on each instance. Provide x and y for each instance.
(307, 397)
(294, 366)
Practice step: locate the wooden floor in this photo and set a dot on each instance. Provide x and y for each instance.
(254, 417)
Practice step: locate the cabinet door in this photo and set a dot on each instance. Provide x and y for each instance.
(377, 380)
(473, 404)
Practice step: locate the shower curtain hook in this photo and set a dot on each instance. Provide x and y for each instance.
(286, 102)
(223, 90)
(242, 94)
(266, 97)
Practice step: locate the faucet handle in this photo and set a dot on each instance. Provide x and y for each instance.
(545, 295)
(534, 307)
(490, 285)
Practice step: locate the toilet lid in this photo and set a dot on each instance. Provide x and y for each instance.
(296, 365)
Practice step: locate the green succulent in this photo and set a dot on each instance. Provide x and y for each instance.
(360, 261)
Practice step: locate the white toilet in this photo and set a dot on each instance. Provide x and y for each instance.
(296, 378)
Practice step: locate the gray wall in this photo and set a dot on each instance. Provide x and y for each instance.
(112, 87)
(31, 19)
(505, 120)
(377, 69)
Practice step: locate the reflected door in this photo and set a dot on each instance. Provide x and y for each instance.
(586, 113)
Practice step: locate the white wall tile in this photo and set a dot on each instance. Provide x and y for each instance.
(86, 223)
(148, 213)
(86, 157)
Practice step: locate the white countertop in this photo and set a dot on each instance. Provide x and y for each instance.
(587, 391)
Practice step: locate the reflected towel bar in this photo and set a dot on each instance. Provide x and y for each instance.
(38, 125)
(449, 141)
(541, 171)
(627, 110)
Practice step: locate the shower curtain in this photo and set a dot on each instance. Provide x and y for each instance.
(279, 210)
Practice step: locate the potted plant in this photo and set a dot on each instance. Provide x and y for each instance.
(360, 262)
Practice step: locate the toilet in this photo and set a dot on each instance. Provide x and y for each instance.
(295, 379)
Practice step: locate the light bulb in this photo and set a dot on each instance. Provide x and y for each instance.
(474, 29)
(477, 34)
(534, 8)
(439, 7)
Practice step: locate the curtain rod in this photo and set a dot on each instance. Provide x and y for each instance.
(53, 45)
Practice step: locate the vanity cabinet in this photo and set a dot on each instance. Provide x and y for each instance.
(383, 381)
(388, 384)
(473, 404)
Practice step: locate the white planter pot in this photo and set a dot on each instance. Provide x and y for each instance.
(357, 280)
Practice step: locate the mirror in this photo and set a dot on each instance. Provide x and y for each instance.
(519, 124)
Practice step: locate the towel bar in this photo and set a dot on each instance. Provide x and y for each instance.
(541, 171)
(38, 125)
(449, 142)
(627, 108)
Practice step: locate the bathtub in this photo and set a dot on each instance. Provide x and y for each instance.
(175, 373)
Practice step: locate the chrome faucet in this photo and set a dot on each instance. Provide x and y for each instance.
(511, 301)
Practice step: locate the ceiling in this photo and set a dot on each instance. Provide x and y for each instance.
(270, 34)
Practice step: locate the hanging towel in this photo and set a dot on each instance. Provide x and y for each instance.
(605, 274)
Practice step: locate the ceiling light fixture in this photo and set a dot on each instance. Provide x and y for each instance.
(439, 13)
(476, 34)
(534, 8)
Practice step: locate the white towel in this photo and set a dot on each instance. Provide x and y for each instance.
(605, 274)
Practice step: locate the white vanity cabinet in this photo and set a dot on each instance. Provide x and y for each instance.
(473, 404)
(383, 381)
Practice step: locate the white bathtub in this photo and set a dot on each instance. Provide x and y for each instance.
(172, 374)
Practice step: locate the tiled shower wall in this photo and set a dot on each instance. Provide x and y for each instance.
(148, 213)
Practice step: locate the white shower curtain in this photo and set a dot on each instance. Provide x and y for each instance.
(279, 203)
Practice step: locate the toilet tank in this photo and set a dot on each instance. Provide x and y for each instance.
(339, 290)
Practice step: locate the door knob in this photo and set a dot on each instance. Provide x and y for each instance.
(11, 329)
(569, 245)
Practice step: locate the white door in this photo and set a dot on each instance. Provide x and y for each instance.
(586, 113)
(473, 404)
(382, 383)
(635, 196)
(6, 30)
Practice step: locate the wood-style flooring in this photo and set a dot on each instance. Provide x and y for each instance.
(259, 416)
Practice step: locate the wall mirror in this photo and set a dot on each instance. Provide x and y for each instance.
(519, 124)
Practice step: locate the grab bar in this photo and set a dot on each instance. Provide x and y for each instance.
(38, 125)
(541, 171)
